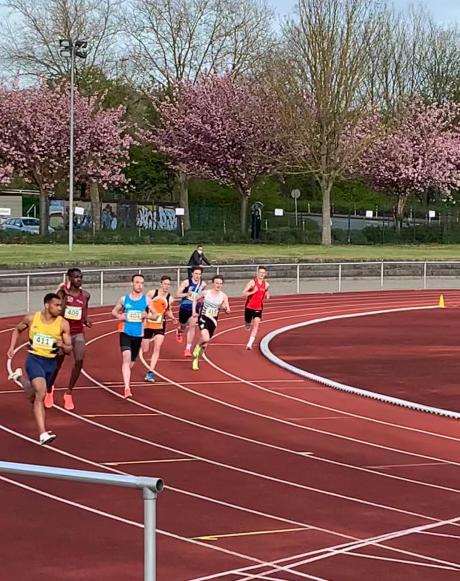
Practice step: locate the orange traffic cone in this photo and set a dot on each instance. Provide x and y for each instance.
(441, 304)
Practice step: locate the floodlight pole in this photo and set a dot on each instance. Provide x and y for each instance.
(71, 168)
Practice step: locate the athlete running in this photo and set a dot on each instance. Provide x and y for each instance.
(213, 301)
(159, 305)
(131, 310)
(256, 291)
(49, 336)
(189, 291)
(75, 302)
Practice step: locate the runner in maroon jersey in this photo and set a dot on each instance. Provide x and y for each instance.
(75, 302)
(256, 291)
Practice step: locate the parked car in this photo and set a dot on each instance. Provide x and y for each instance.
(24, 224)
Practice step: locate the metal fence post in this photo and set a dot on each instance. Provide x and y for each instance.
(340, 277)
(381, 275)
(149, 534)
(102, 287)
(298, 279)
(424, 275)
(28, 293)
(178, 276)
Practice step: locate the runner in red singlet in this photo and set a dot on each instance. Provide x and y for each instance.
(256, 291)
(75, 310)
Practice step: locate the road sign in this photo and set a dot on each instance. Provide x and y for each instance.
(295, 194)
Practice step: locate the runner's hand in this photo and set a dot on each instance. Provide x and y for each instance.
(89, 323)
(10, 353)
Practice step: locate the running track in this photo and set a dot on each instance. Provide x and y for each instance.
(268, 476)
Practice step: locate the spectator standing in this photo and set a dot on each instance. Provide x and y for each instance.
(197, 258)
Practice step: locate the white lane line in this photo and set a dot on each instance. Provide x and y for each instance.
(265, 348)
(403, 561)
(371, 541)
(118, 415)
(384, 466)
(164, 461)
(321, 406)
(87, 508)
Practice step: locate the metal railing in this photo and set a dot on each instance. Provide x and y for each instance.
(149, 486)
(297, 276)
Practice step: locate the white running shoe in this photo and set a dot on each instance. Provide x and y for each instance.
(15, 375)
(47, 438)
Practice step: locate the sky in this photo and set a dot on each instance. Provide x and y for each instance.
(443, 11)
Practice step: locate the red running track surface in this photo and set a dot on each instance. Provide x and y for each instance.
(411, 355)
(377, 495)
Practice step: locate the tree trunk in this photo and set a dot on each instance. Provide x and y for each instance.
(326, 187)
(95, 204)
(44, 212)
(400, 210)
(183, 198)
(244, 212)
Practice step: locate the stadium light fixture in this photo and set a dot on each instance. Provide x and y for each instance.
(71, 50)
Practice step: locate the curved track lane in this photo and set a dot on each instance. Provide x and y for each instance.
(268, 476)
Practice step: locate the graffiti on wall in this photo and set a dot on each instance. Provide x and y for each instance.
(156, 218)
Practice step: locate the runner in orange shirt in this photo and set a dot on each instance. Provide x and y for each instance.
(159, 305)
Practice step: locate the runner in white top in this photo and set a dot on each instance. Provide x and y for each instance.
(213, 301)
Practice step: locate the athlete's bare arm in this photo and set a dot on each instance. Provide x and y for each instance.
(118, 309)
(87, 322)
(226, 305)
(180, 293)
(65, 344)
(20, 327)
(169, 312)
(267, 292)
(249, 289)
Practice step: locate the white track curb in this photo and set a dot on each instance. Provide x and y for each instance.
(264, 346)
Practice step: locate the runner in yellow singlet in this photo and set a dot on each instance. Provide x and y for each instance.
(49, 336)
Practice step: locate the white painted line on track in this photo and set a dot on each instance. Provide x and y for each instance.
(265, 348)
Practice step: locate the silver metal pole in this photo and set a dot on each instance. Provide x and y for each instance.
(178, 276)
(298, 279)
(296, 215)
(102, 287)
(71, 170)
(381, 275)
(424, 275)
(28, 293)
(149, 534)
(340, 277)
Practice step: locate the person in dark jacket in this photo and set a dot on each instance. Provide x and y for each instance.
(197, 259)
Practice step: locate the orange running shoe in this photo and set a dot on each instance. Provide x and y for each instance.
(179, 335)
(188, 353)
(68, 402)
(128, 392)
(49, 398)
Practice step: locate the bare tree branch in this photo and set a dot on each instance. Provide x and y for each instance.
(180, 39)
(30, 43)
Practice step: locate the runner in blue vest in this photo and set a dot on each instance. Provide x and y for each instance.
(131, 311)
(189, 291)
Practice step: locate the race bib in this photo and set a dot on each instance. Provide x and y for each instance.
(73, 313)
(134, 316)
(211, 312)
(156, 318)
(193, 295)
(42, 341)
